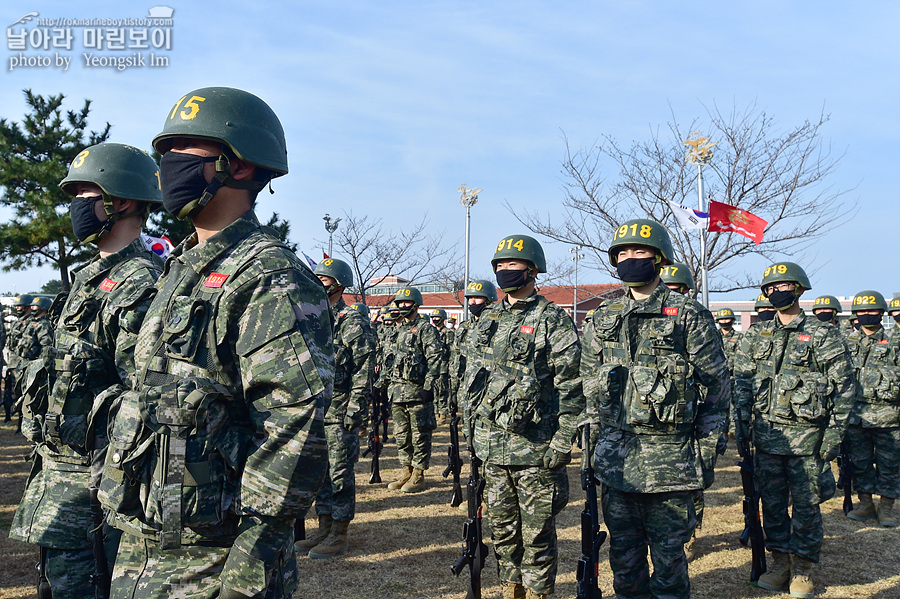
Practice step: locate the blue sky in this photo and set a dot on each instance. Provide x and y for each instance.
(389, 106)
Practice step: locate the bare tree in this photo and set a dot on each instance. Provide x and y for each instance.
(375, 253)
(780, 176)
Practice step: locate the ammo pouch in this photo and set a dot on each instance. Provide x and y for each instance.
(174, 460)
(611, 384)
(799, 396)
(879, 384)
(410, 366)
(343, 363)
(33, 388)
(79, 376)
(512, 401)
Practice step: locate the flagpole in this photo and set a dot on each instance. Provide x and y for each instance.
(704, 276)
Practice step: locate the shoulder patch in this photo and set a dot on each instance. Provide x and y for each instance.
(670, 311)
(527, 329)
(804, 337)
(108, 284)
(215, 280)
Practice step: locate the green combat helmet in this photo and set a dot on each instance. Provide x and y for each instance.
(725, 314)
(827, 302)
(481, 288)
(410, 294)
(520, 247)
(645, 232)
(438, 313)
(894, 306)
(677, 273)
(338, 270)
(361, 308)
(237, 119)
(22, 302)
(120, 171)
(868, 300)
(762, 302)
(785, 272)
(589, 316)
(42, 303)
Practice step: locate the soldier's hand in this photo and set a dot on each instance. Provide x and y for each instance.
(427, 395)
(556, 459)
(743, 431)
(353, 421)
(831, 445)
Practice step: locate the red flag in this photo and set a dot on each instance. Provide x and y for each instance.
(325, 256)
(728, 219)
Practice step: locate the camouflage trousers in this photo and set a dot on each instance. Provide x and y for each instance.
(442, 395)
(142, 571)
(337, 495)
(522, 503)
(699, 504)
(784, 480)
(69, 572)
(875, 453)
(413, 425)
(662, 522)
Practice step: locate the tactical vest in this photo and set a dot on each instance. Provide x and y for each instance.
(343, 357)
(407, 362)
(655, 392)
(877, 372)
(178, 446)
(788, 389)
(506, 389)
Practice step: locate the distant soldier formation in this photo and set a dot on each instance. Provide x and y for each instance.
(186, 416)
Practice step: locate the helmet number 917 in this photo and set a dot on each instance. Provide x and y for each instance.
(645, 231)
(191, 104)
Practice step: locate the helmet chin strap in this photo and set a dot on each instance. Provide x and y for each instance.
(222, 178)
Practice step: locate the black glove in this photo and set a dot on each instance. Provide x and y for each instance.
(427, 395)
(556, 459)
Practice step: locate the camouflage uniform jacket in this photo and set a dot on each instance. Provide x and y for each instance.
(459, 353)
(795, 381)
(354, 365)
(656, 379)
(95, 343)
(730, 343)
(384, 343)
(412, 360)
(876, 359)
(522, 381)
(234, 368)
(36, 334)
(14, 361)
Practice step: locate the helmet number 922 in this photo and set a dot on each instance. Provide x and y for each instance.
(645, 231)
(508, 242)
(191, 108)
(865, 300)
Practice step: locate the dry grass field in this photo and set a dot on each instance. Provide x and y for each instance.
(402, 545)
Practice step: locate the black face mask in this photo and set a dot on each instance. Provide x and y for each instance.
(329, 291)
(512, 280)
(404, 312)
(825, 315)
(766, 316)
(869, 320)
(782, 300)
(85, 224)
(896, 317)
(477, 309)
(637, 272)
(726, 324)
(184, 187)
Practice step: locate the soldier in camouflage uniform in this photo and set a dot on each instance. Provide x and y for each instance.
(37, 334)
(656, 379)
(114, 186)
(525, 397)
(873, 429)
(354, 369)
(894, 312)
(764, 309)
(221, 445)
(826, 308)
(438, 319)
(794, 389)
(14, 365)
(412, 369)
(479, 294)
(677, 277)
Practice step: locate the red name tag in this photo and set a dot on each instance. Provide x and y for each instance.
(804, 338)
(215, 280)
(527, 329)
(733, 340)
(883, 342)
(670, 311)
(108, 284)
(415, 329)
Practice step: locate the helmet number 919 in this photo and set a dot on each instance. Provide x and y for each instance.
(508, 242)
(776, 268)
(190, 104)
(645, 231)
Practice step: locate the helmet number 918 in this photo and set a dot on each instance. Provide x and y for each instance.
(645, 231)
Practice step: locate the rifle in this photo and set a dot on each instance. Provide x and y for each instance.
(591, 535)
(845, 475)
(753, 533)
(43, 585)
(100, 577)
(474, 549)
(454, 463)
(375, 443)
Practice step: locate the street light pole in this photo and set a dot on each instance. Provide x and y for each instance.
(575, 250)
(468, 198)
(331, 226)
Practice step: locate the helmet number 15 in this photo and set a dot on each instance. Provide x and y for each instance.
(191, 108)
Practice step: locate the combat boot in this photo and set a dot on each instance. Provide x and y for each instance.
(441, 419)
(690, 547)
(778, 572)
(865, 510)
(416, 482)
(801, 578)
(334, 544)
(513, 590)
(886, 515)
(529, 594)
(304, 545)
(404, 477)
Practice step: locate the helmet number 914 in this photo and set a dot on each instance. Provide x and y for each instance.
(780, 269)
(645, 231)
(508, 242)
(191, 106)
